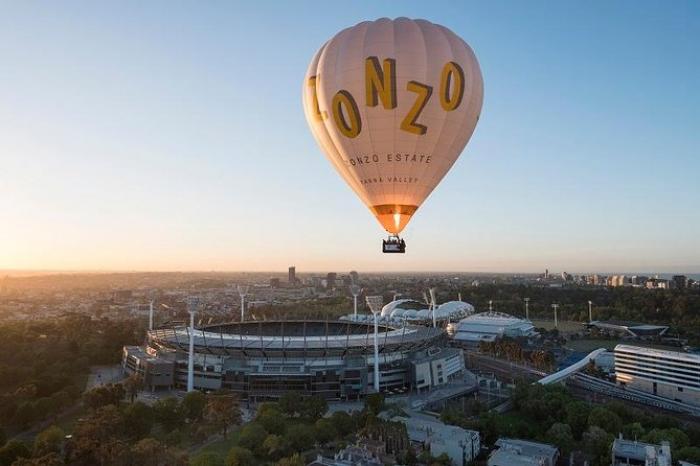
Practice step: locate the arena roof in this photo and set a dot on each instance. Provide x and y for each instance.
(633, 328)
(411, 309)
(295, 337)
(487, 326)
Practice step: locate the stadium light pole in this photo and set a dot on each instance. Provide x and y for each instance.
(556, 322)
(150, 314)
(433, 305)
(243, 291)
(527, 308)
(192, 304)
(375, 305)
(355, 291)
(590, 311)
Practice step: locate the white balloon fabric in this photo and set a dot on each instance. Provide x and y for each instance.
(392, 103)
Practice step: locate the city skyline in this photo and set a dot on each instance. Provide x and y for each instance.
(131, 140)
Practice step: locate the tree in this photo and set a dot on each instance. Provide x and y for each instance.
(48, 441)
(207, 459)
(606, 420)
(374, 403)
(289, 404)
(597, 443)
(50, 459)
(12, 451)
(273, 446)
(252, 437)
(167, 413)
(560, 435)
(139, 418)
(313, 407)
(325, 430)
(272, 420)
(689, 454)
(193, 405)
(343, 423)
(300, 436)
(633, 431)
(239, 456)
(577, 417)
(294, 460)
(132, 385)
(110, 394)
(222, 410)
(676, 437)
(152, 452)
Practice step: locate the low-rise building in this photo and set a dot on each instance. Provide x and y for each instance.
(515, 452)
(490, 326)
(350, 456)
(630, 452)
(460, 445)
(669, 374)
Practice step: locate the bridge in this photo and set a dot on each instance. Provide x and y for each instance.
(572, 369)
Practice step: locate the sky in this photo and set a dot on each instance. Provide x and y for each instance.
(171, 136)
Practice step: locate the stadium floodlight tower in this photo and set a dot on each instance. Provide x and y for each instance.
(151, 301)
(243, 291)
(590, 311)
(527, 308)
(555, 306)
(375, 305)
(355, 291)
(433, 306)
(192, 305)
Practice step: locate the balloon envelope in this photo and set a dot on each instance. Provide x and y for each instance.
(392, 103)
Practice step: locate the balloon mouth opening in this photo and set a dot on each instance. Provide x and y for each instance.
(394, 217)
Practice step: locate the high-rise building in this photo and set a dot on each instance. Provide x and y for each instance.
(355, 277)
(330, 280)
(275, 282)
(681, 281)
(292, 275)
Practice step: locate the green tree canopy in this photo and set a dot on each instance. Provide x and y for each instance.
(239, 456)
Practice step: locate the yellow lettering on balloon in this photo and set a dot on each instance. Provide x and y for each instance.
(380, 82)
(410, 123)
(346, 114)
(313, 80)
(451, 82)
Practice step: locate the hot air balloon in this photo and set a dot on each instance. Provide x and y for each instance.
(392, 104)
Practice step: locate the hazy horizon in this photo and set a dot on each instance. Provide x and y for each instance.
(171, 137)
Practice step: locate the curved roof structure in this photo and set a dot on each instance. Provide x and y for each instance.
(487, 326)
(411, 309)
(294, 338)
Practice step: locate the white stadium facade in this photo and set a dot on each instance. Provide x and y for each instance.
(265, 359)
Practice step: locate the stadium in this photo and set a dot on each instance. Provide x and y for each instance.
(265, 359)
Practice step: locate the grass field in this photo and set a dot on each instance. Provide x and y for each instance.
(564, 325)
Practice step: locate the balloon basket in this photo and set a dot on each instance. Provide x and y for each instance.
(393, 245)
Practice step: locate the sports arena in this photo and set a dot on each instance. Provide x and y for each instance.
(265, 359)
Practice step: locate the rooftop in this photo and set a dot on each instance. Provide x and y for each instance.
(659, 353)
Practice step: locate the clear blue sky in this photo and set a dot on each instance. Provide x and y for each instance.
(170, 135)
